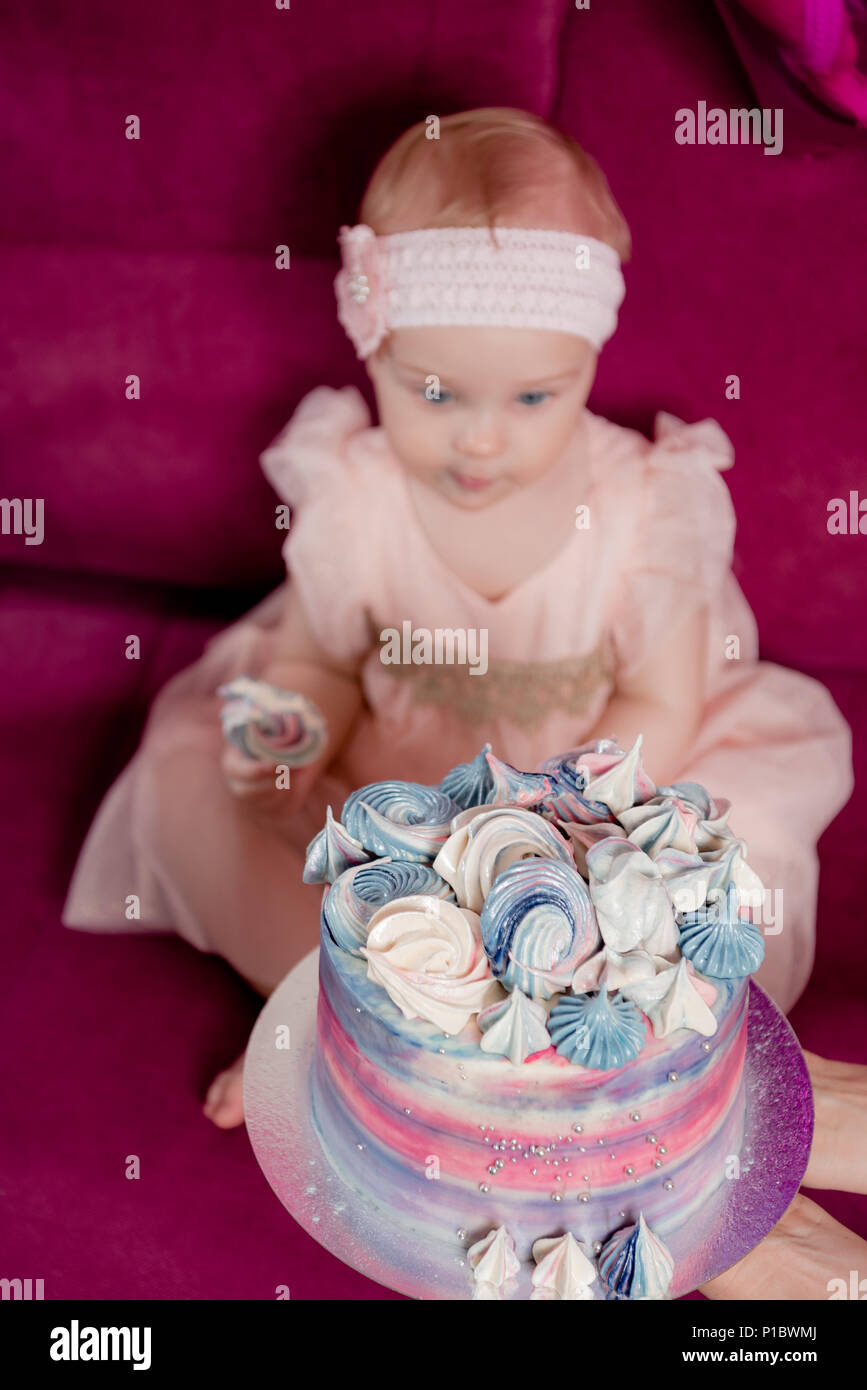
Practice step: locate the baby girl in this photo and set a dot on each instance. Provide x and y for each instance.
(479, 287)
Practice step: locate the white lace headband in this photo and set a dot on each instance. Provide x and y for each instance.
(459, 275)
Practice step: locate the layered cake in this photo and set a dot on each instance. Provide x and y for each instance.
(532, 1013)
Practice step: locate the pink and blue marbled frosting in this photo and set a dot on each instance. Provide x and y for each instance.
(412, 1097)
(593, 1081)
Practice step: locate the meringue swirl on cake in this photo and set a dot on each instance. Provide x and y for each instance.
(569, 778)
(428, 956)
(332, 852)
(610, 970)
(488, 842)
(514, 788)
(538, 925)
(470, 784)
(562, 1269)
(493, 1262)
(358, 893)
(631, 901)
(636, 1264)
(598, 1030)
(676, 997)
(662, 822)
(514, 1027)
(399, 820)
(720, 942)
(615, 778)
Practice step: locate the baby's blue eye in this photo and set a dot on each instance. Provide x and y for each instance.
(438, 399)
(533, 397)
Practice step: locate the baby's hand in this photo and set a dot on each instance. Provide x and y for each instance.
(264, 790)
(252, 779)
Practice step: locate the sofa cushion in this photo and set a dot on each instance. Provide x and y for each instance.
(745, 264)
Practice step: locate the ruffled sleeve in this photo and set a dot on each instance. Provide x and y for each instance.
(311, 466)
(682, 538)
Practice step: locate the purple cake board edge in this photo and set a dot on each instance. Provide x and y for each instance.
(773, 1158)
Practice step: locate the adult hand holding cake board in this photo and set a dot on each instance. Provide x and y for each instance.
(808, 1255)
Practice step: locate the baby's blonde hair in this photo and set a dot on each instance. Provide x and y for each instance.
(492, 166)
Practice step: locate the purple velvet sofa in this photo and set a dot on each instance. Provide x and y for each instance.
(155, 258)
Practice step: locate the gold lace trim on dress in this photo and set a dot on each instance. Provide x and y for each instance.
(522, 692)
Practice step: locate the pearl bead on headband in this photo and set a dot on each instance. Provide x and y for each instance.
(460, 275)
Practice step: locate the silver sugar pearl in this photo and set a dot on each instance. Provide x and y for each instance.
(406, 1110)
(492, 1167)
(533, 1172)
(583, 1196)
(652, 1139)
(657, 1163)
(663, 1149)
(579, 1129)
(461, 1233)
(705, 1047)
(483, 1187)
(629, 1169)
(359, 1146)
(556, 1196)
(635, 1115)
(668, 1185)
(673, 1076)
(597, 1247)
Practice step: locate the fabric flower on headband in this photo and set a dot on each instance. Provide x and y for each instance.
(360, 289)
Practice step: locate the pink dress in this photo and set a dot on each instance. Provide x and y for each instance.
(659, 540)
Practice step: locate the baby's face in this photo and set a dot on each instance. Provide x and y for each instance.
(479, 412)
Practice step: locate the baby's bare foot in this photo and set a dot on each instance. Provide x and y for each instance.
(224, 1103)
(838, 1158)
